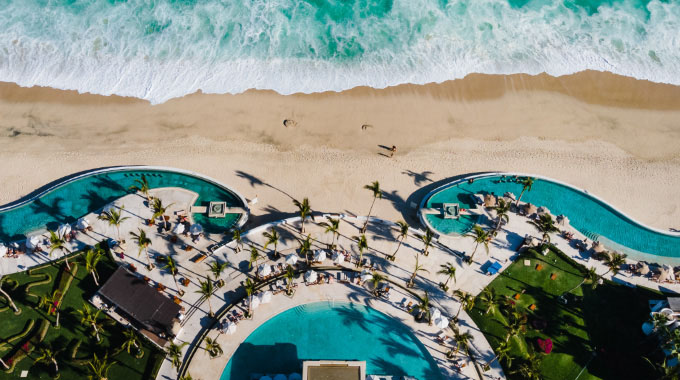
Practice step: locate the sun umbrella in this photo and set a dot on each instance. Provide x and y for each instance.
(256, 302)
(310, 276)
(366, 276)
(644, 269)
(82, 223)
(489, 200)
(265, 377)
(562, 220)
(64, 230)
(294, 376)
(264, 270)
(436, 313)
(530, 209)
(179, 229)
(670, 276)
(231, 328)
(196, 229)
(280, 376)
(266, 297)
(3, 249)
(291, 259)
(319, 255)
(338, 258)
(441, 322)
(598, 247)
(33, 242)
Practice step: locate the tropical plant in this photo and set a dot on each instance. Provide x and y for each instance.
(376, 280)
(14, 307)
(214, 349)
(51, 304)
(88, 317)
(417, 268)
(530, 369)
(427, 240)
(527, 183)
(206, 290)
(249, 287)
(424, 308)
(186, 377)
(141, 186)
(48, 356)
(545, 225)
(236, 236)
(614, 262)
(305, 212)
(143, 242)
(403, 234)
(131, 341)
(58, 242)
(306, 247)
(171, 266)
(590, 276)
(362, 245)
(480, 236)
(502, 213)
(272, 238)
(462, 341)
(90, 259)
(254, 256)
(114, 218)
(448, 270)
(290, 276)
(175, 353)
(516, 324)
(332, 226)
(488, 297)
(502, 353)
(216, 268)
(159, 209)
(467, 301)
(374, 187)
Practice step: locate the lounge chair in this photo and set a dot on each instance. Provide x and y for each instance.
(343, 277)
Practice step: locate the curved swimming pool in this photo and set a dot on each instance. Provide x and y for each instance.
(332, 331)
(587, 214)
(76, 197)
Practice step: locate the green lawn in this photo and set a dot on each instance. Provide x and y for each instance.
(605, 321)
(64, 338)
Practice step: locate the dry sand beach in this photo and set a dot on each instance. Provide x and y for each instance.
(617, 137)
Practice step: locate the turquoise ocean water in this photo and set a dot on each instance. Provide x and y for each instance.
(159, 49)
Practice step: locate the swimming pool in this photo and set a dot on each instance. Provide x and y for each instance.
(589, 215)
(332, 331)
(74, 198)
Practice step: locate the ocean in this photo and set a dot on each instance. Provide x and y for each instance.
(161, 49)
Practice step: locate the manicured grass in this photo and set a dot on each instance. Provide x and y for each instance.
(64, 338)
(605, 321)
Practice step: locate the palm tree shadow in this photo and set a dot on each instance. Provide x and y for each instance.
(256, 181)
(419, 178)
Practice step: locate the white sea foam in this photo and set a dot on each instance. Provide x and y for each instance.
(161, 52)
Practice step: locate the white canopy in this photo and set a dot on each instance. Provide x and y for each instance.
(256, 302)
(436, 313)
(294, 376)
(3, 249)
(231, 328)
(264, 270)
(82, 223)
(179, 229)
(64, 230)
(33, 242)
(310, 276)
(196, 229)
(338, 258)
(266, 297)
(319, 255)
(366, 276)
(441, 322)
(280, 376)
(291, 259)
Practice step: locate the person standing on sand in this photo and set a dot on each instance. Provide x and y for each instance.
(393, 150)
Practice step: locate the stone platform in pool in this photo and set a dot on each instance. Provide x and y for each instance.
(333, 370)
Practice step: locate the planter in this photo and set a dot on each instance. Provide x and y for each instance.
(292, 293)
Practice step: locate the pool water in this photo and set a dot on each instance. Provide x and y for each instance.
(331, 331)
(594, 219)
(77, 198)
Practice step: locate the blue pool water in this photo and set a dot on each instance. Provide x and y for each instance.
(324, 331)
(588, 215)
(160, 49)
(75, 199)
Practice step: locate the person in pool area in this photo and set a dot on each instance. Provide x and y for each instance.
(393, 150)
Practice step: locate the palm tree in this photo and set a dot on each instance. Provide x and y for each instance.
(143, 242)
(591, 276)
(376, 280)
(272, 238)
(306, 247)
(159, 209)
(186, 377)
(502, 354)
(403, 234)
(51, 304)
(48, 356)
(488, 296)
(517, 324)
(424, 308)
(527, 183)
(546, 225)
(216, 268)
(290, 276)
(502, 213)
(614, 262)
(448, 270)
(236, 236)
(254, 256)
(173, 269)
(249, 287)
(206, 290)
(480, 236)
(214, 349)
(17, 311)
(131, 340)
(427, 240)
(99, 368)
(114, 218)
(90, 259)
(467, 301)
(175, 353)
(374, 187)
(462, 340)
(362, 245)
(305, 212)
(332, 226)
(58, 242)
(417, 268)
(142, 186)
(89, 318)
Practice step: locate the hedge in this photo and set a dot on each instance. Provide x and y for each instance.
(28, 346)
(19, 335)
(46, 280)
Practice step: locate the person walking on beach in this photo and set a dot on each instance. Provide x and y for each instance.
(393, 150)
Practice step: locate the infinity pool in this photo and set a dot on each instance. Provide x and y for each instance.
(326, 331)
(587, 214)
(74, 199)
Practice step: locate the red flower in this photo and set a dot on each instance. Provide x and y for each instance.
(545, 345)
(25, 347)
